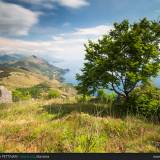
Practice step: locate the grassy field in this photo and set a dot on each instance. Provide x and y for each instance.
(67, 126)
(17, 78)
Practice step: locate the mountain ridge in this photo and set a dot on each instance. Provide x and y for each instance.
(33, 64)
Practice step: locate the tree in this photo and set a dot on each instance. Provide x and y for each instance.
(125, 57)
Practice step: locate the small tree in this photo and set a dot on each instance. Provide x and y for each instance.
(145, 100)
(122, 59)
(53, 94)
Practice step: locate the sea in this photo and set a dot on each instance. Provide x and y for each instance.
(76, 66)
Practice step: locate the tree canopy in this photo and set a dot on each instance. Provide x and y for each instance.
(125, 57)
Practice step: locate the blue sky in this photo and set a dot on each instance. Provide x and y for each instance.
(59, 28)
(58, 16)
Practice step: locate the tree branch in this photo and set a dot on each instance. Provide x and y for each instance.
(116, 90)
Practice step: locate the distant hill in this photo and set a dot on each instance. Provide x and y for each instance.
(18, 71)
(10, 58)
(33, 64)
(17, 78)
(13, 78)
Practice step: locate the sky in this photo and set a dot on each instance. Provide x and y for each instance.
(58, 29)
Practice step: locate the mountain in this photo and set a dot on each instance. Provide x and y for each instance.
(33, 64)
(13, 78)
(10, 58)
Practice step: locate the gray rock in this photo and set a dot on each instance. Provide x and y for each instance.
(5, 95)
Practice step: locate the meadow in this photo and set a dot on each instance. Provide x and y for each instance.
(66, 125)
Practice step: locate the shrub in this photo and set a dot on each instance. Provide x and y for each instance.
(83, 98)
(105, 97)
(32, 92)
(17, 95)
(37, 90)
(145, 100)
(53, 94)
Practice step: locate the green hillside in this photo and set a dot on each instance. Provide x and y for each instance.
(33, 64)
(14, 78)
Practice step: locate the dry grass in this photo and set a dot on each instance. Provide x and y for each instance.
(25, 79)
(46, 126)
(21, 80)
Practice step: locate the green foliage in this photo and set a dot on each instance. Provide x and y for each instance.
(104, 97)
(82, 99)
(145, 100)
(20, 95)
(53, 94)
(27, 93)
(6, 72)
(37, 90)
(101, 93)
(129, 54)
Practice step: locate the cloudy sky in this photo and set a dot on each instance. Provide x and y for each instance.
(59, 28)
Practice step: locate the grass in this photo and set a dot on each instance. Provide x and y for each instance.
(18, 78)
(66, 126)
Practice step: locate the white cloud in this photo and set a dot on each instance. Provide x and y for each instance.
(51, 3)
(16, 20)
(85, 33)
(66, 49)
(27, 47)
(94, 31)
(37, 2)
(40, 3)
(73, 3)
(67, 46)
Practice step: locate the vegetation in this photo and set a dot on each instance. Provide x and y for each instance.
(32, 92)
(54, 118)
(6, 72)
(145, 100)
(122, 59)
(104, 97)
(20, 94)
(53, 94)
(36, 65)
(65, 126)
(18, 78)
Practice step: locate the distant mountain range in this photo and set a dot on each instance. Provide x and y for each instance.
(32, 64)
(10, 58)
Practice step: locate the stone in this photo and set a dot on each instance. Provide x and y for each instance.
(5, 95)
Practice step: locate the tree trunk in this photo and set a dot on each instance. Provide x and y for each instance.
(127, 97)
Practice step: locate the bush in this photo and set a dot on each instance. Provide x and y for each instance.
(17, 95)
(53, 94)
(145, 100)
(83, 99)
(37, 90)
(32, 92)
(105, 97)
(26, 93)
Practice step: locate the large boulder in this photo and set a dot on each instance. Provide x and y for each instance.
(5, 95)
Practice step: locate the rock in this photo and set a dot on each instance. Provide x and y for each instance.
(5, 95)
